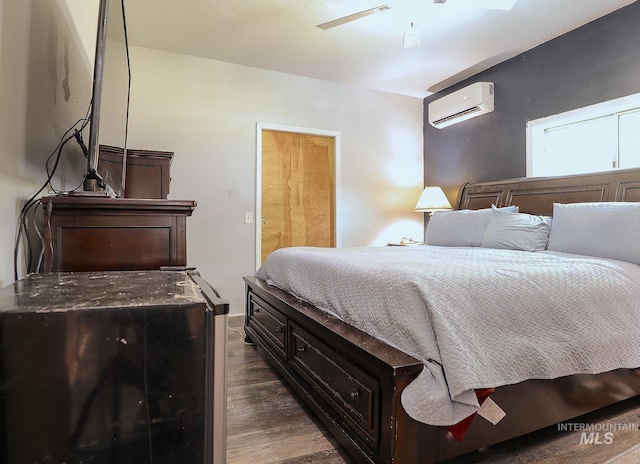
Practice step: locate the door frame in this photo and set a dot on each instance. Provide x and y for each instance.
(337, 180)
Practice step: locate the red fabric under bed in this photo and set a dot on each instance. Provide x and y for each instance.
(458, 430)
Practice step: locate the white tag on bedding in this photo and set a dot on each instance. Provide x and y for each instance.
(491, 411)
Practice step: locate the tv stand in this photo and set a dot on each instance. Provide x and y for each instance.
(88, 233)
(92, 183)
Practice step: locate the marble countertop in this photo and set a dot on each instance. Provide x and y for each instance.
(87, 290)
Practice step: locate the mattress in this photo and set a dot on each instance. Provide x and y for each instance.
(477, 317)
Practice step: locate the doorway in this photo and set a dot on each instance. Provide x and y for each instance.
(297, 191)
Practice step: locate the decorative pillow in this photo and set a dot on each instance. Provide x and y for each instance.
(606, 230)
(517, 231)
(463, 228)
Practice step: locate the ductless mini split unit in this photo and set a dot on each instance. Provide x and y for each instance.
(463, 104)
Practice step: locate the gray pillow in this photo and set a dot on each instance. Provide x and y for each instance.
(606, 230)
(462, 228)
(517, 231)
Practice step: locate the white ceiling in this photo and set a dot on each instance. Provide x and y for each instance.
(457, 39)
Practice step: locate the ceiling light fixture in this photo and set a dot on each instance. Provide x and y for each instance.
(411, 37)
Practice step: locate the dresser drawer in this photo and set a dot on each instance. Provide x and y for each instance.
(270, 323)
(350, 391)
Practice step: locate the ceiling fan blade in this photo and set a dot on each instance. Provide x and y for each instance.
(352, 17)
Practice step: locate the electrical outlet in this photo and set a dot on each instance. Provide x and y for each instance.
(248, 217)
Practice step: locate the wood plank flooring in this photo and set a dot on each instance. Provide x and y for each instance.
(265, 421)
(267, 424)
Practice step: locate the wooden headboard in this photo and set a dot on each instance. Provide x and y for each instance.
(536, 195)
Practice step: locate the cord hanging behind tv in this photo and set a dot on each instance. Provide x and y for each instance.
(110, 103)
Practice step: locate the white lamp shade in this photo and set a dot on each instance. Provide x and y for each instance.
(432, 199)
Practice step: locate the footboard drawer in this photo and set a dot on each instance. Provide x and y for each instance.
(350, 391)
(269, 322)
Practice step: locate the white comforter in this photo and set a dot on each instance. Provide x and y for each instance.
(477, 317)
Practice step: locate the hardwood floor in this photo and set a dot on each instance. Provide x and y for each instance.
(265, 421)
(267, 424)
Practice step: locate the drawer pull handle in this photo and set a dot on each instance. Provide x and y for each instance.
(302, 349)
(354, 394)
(256, 310)
(279, 330)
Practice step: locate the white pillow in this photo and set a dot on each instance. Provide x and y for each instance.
(517, 231)
(464, 227)
(606, 230)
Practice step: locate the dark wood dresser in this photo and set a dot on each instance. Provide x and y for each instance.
(147, 173)
(114, 234)
(142, 231)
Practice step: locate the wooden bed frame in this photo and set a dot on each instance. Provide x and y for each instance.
(353, 381)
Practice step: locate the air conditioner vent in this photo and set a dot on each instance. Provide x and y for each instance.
(463, 104)
(456, 116)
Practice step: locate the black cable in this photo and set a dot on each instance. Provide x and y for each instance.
(63, 142)
(40, 236)
(30, 214)
(78, 135)
(25, 229)
(33, 200)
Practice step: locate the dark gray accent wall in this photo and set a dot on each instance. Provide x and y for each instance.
(594, 63)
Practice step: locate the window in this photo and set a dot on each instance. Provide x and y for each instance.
(600, 137)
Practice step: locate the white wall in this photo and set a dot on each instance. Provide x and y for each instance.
(14, 48)
(206, 112)
(45, 86)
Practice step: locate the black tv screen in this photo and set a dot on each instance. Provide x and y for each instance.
(107, 150)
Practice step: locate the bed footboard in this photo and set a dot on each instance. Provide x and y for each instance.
(350, 380)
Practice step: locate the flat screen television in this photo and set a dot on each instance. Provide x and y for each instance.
(107, 149)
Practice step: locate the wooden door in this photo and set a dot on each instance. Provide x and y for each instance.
(298, 190)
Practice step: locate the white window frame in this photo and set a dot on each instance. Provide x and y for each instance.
(536, 128)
